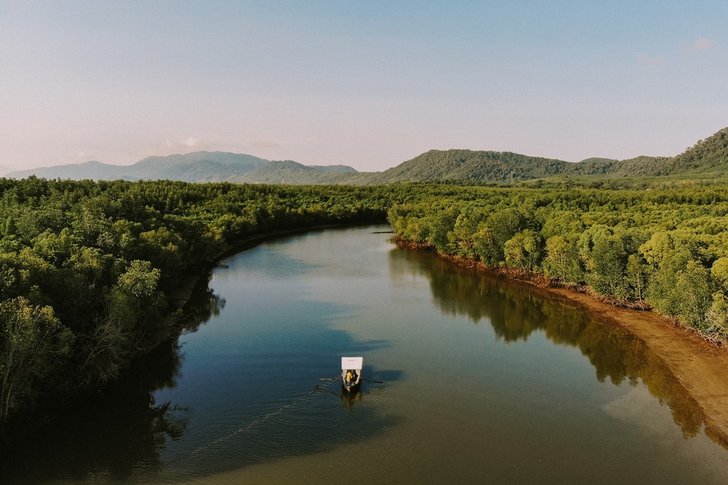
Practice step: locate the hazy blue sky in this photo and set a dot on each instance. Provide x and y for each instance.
(364, 83)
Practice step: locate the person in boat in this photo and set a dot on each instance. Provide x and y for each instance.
(351, 377)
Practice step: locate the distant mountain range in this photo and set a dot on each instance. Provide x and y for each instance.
(198, 167)
(707, 158)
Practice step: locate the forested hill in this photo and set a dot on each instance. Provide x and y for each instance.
(707, 158)
(474, 166)
(507, 167)
(198, 167)
(294, 173)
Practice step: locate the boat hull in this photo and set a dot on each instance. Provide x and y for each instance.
(351, 389)
(351, 373)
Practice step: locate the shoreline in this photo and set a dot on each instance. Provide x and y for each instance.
(697, 363)
(183, 295)
(30, 423)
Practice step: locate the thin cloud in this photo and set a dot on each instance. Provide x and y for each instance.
(702, 44)
(191, 142)
(646, 60)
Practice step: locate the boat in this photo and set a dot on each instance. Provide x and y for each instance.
(351, 373)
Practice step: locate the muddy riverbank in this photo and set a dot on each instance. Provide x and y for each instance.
(698, 364)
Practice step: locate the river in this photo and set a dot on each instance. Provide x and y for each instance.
(468, 379)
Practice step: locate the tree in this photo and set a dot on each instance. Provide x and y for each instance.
(694, 287)
(523, 250)
(463, 232)
(33, 344)
(562, 260)
(679, 285)
(636, 276)
(719, 272)
(717, 315)
(561, 222)
(133, 321)
(606, 258)
(485, 246)
(505, 223)
(442, 223)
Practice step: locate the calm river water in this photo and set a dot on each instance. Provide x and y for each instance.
(470, 379)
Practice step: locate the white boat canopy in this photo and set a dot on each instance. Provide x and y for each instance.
(355, 363)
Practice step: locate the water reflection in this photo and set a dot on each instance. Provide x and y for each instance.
(348, 399)
(201, 307)
(615, 354)
(115, 434)
(226, 402)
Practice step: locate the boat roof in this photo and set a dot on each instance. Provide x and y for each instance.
(352, 363)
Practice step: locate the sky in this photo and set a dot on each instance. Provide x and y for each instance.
(368, 84)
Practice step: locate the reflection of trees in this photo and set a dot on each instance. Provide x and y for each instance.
(111, 435)
(202, 305)
(515, 311)
(119, 432)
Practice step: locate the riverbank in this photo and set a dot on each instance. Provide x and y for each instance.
(186, 287)
(30, 422)
(697, 364)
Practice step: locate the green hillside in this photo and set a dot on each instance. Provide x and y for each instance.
(472, 166)
(199, 167)
(706, 159)
(196, 167)
(293, 173)
(706, 156)
(91, 170)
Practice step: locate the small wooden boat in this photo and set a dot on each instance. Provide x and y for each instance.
(351, 373)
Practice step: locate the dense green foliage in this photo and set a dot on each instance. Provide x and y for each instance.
(289, 172)
(91, 273)
(709, 156)
(472, 166)
(665, 248)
